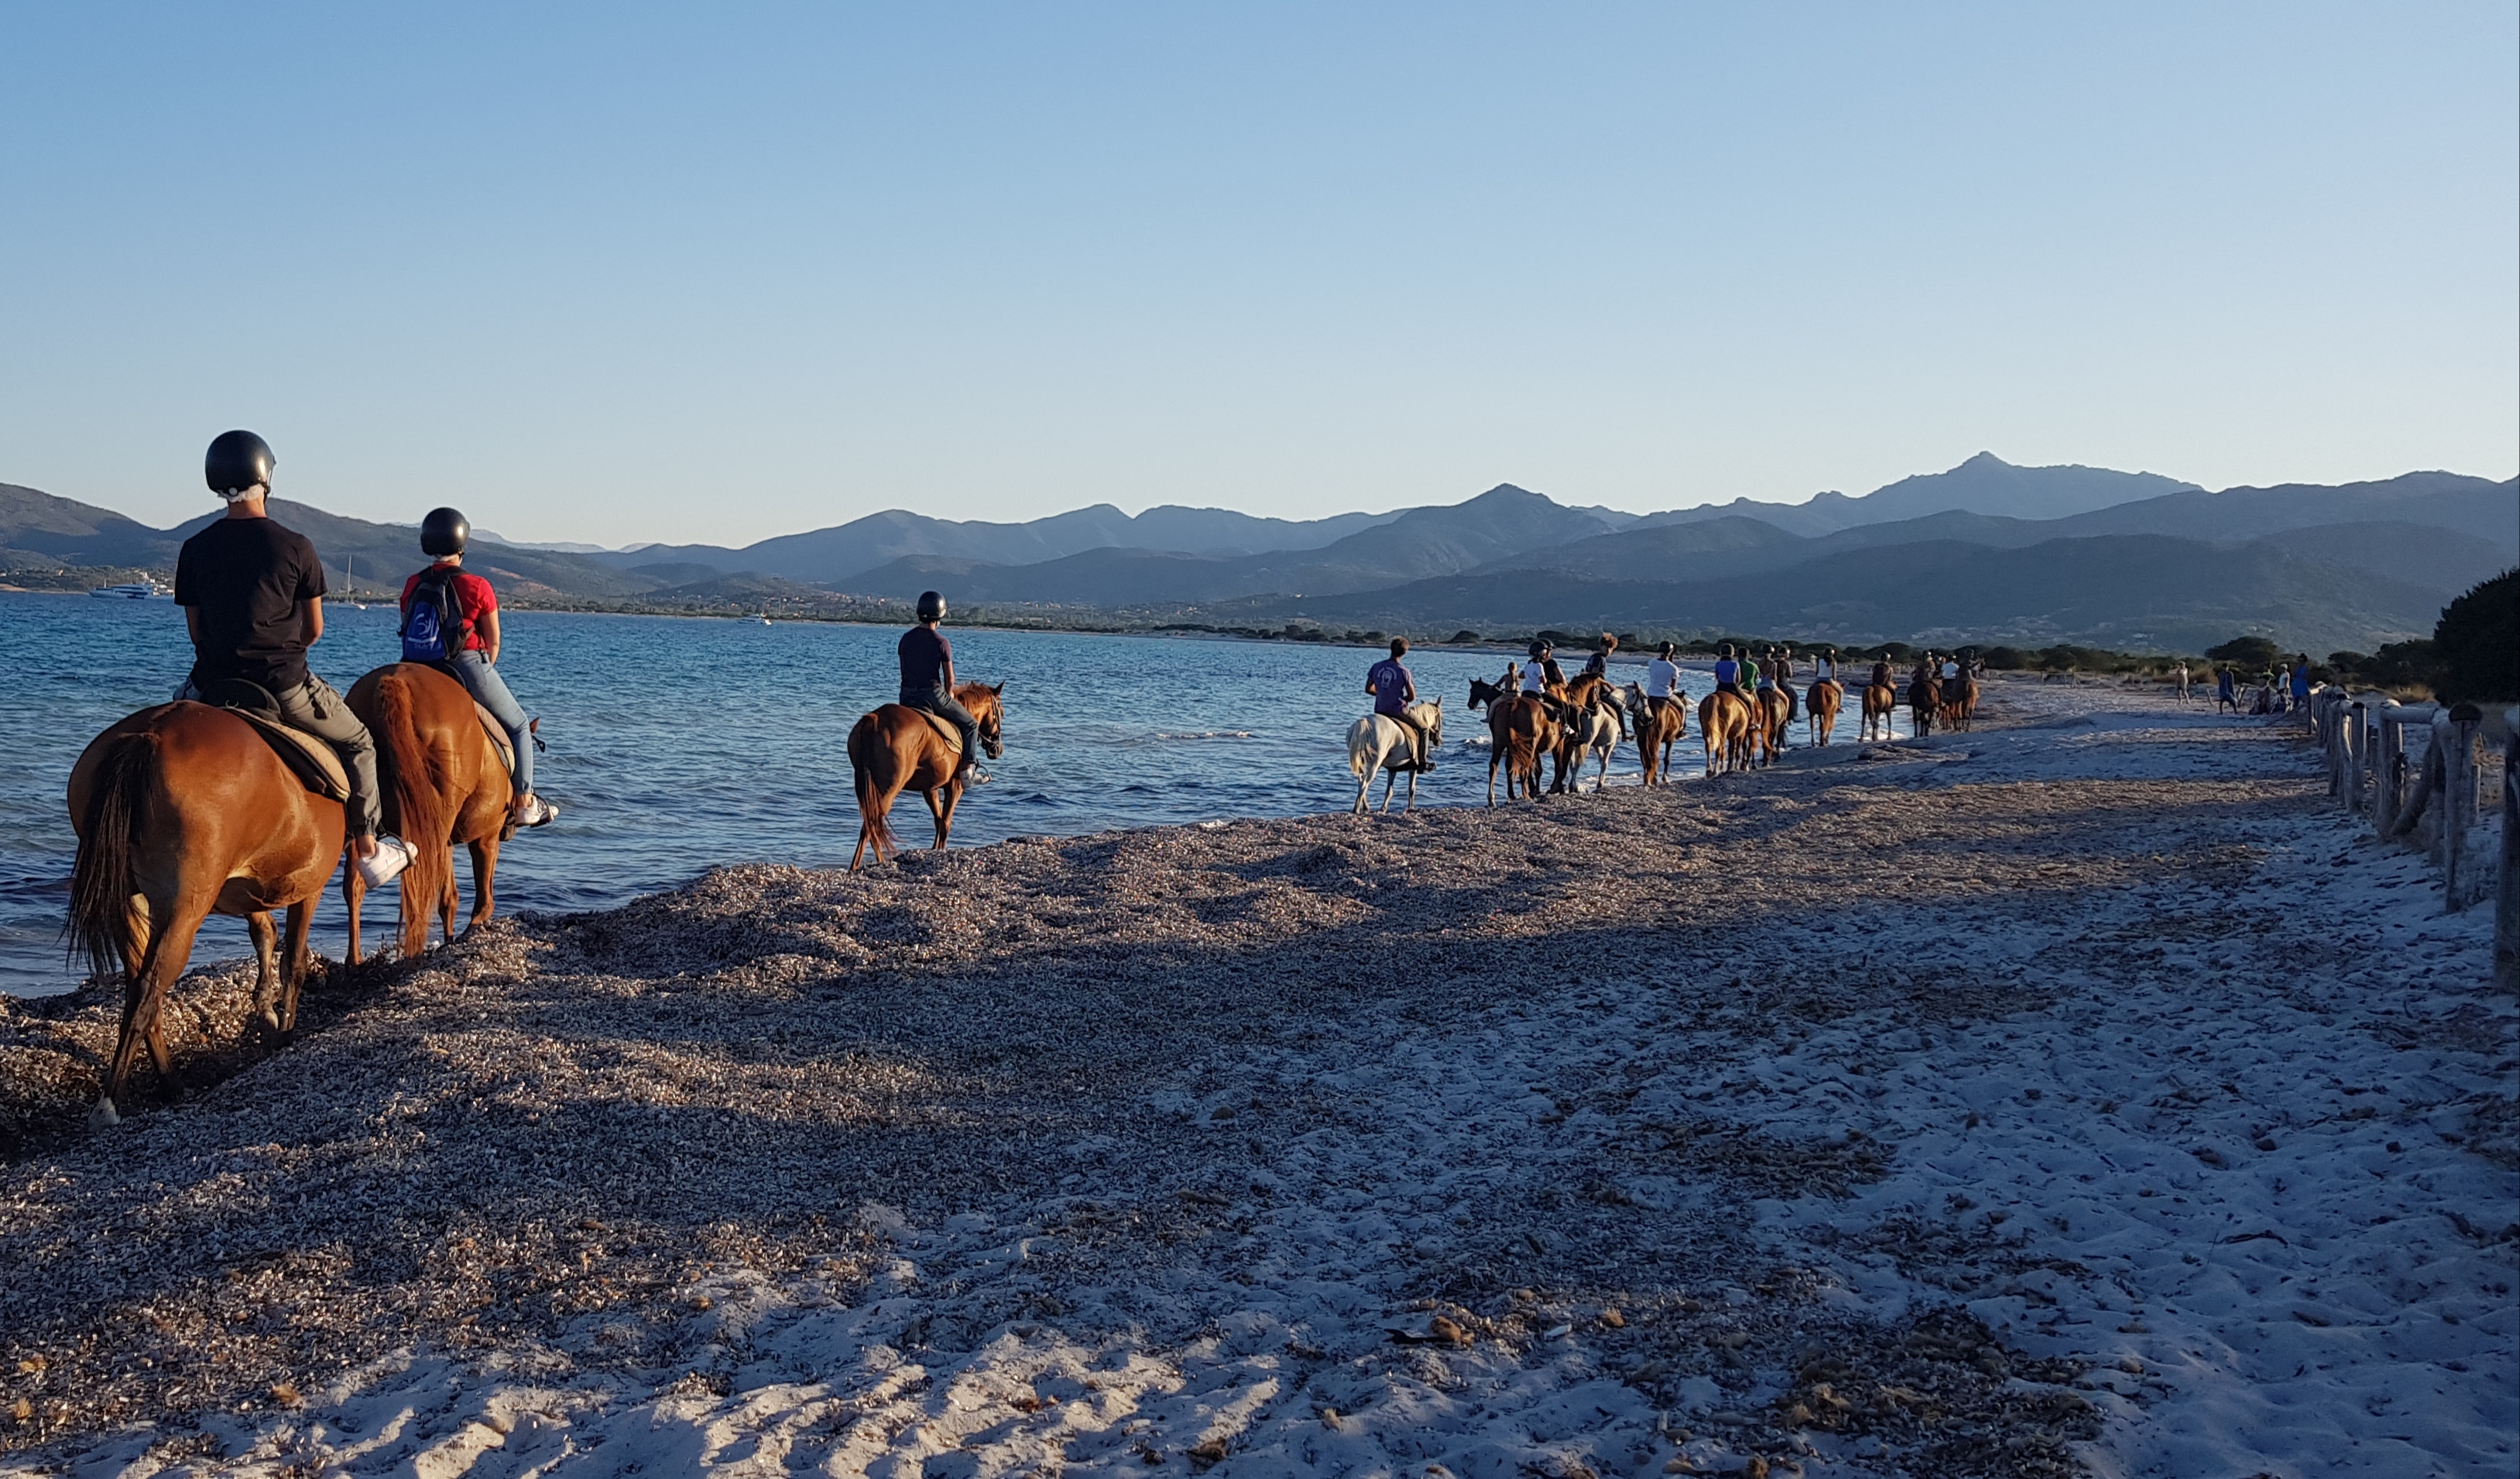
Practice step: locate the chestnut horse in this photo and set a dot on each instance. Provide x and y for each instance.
(1821, 704)
(1774, 713)
(1529, 735)
(1958, 704)
(1880, 711)
(442, 784)
(896, 750)
(1923, 694)
(182, 811)
(1729, 732)
(1658, 726)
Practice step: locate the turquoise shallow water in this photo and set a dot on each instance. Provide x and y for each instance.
(678, 744)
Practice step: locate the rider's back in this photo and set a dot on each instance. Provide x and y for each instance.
(246, 578)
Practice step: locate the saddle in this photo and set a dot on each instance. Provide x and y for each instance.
(942, 726)
(316, 764)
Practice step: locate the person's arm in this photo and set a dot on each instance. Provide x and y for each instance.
(1408, 689)
(314, 619)
(949, 672)
(489, 625)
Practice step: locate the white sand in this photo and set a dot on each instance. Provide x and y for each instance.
(2081, 1094)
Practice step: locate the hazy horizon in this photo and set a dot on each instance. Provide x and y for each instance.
(628, 275)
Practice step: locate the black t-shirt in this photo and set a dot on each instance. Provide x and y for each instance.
(925, 651)
(248, 576)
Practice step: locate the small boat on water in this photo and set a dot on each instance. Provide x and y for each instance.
(137, 590)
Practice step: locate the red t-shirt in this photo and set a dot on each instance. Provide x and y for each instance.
(472, 594)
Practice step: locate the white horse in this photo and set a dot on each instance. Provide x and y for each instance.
(1595, 731)
(1376, 742)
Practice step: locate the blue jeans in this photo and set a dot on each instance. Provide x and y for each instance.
(490, 691)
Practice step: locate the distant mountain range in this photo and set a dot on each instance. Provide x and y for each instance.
(1985, 551)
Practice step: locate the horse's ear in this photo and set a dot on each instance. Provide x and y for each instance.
(999, 687)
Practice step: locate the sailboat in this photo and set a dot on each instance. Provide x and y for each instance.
(349, 582)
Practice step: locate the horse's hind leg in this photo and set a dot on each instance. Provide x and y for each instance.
(446, 900)
(144, 994)
(940, 805)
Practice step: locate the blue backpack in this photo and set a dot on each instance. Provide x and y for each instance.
(435, 630)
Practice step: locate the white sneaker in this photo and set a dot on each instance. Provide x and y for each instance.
(386, 863)
(536, 813)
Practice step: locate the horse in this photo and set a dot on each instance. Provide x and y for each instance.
(1880, 711)
(1821, 704)
(895, 749)
(1923, 696)
(442, 782)
(1529, 733)
(1726, 725)
(1775, 716)
(1594, 728)
(1657, 728)
(1375, 742)
(1957, 703)
(182, 811)
(1495, 697)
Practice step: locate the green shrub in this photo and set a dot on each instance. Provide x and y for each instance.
(2476, 647)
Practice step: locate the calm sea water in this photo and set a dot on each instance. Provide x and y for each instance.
(678, 744)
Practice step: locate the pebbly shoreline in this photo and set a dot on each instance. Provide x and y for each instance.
(1639, 1095)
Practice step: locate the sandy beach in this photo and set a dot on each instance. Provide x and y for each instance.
(2082, 1095)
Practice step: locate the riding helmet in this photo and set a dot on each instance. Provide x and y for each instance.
(239, 462)
(444, 533)
(1539, 649)
(932, 607)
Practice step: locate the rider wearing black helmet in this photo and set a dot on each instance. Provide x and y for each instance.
(927, 679)
(451, 616)
(253, 594)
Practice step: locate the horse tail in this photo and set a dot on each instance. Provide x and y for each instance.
(864, 750)
(421, 817)
(103, 877)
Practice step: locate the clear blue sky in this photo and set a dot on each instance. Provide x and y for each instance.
(621, 273)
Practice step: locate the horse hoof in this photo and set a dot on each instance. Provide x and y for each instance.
(270, 1021)
(102, 1117)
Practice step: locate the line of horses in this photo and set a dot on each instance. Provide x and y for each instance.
(1586, 719)
(183, 810)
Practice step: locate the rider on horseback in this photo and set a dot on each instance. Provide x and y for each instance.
(1662, 679)
(1393, 690)
(1728, 673)
(450, 617)
(253, 594)
(928, 680)
(1544, 681)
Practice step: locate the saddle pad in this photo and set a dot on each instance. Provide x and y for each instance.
(314, 763)
(943, 726)
(500, 744)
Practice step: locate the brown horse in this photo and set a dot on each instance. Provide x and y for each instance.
(442, 784)
(1529, 735)
(182, 811)
(1923, 696)
(896, 750)
(1658, 725)
(1958, 704)
(1729, 731)
(1880, 711)
(1821, 704)
(1775, 716)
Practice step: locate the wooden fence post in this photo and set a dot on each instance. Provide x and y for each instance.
(2506, 897)
(2454, 734)
(2388, 770)
(2357, 742)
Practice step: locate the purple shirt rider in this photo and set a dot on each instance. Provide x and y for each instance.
(1392, 687)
